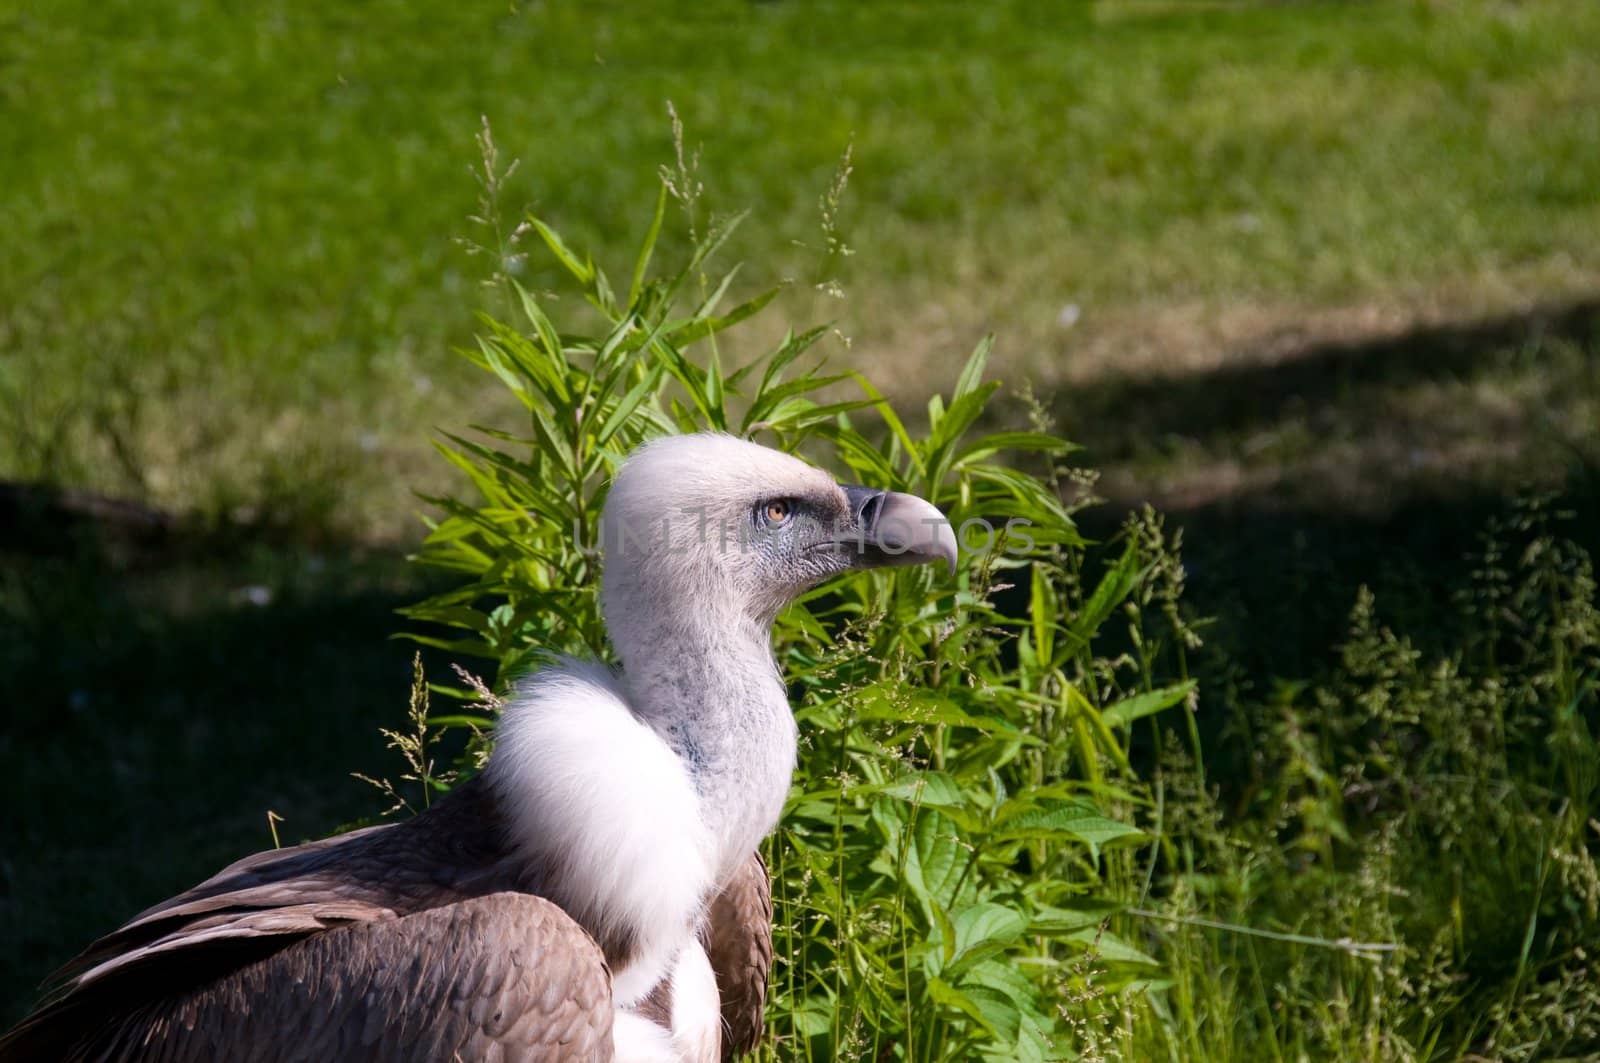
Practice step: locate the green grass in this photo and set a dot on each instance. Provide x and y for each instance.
(230, 261)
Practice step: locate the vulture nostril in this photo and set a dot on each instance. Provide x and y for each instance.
(864, 505)
(867, 515)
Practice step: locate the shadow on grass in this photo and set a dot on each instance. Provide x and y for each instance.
(1280, 583)
(1120, 414)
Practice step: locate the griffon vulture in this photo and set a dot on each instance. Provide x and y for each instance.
(595, 892)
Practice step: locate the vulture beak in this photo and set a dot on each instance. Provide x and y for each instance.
(896, 529)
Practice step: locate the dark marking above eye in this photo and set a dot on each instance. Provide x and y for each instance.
(824, 504)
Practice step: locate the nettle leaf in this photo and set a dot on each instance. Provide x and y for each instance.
(1033, 1044)
(1036, 1028)
(929, 789)
(1083, 823)
(814, 1017)
(930, 863)
(981, 930)
(1004, 978)
(996, 1012)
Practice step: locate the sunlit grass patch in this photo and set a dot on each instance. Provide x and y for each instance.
(227, 230)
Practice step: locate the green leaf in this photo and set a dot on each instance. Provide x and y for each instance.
(981, 930)
(1004, 978)
(1042, 611)
(642, 264)
(558, 247)
(603, 298)
(931, 867)
(1114, 587)
(709, 245)
(972, 372)
(702, 327)
(1109, 947)
(1078, 822)
(772, 365)
(481, 723)
(1138, 706)
(709, 303)
(952, 426)
(921, 708)
(893, 421)
(761, 410)
(1062, 921)
(1036, 442)
(550, 373)
(629, 403)
(932, 789)
(993, 1010)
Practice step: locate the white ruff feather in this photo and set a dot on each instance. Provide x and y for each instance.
(696, 1006)
(635, 1039)
(586, 783)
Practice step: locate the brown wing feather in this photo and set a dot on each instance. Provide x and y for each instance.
(738, 940)
(451, 852)
(271, 902)
(507, 976)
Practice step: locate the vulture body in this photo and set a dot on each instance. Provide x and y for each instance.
(595, 892)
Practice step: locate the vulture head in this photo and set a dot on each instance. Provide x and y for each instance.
(741, 530)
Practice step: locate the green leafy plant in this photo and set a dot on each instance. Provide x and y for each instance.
(964, 774)
(1415, 850)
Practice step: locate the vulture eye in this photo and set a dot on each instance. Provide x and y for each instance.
(777, 511)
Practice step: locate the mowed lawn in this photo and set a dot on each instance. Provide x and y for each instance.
(231, 277)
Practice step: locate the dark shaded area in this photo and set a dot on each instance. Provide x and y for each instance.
(43, 519)
(1280, 584)
(164, 690)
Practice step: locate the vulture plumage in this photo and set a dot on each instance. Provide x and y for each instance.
(595, 893)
